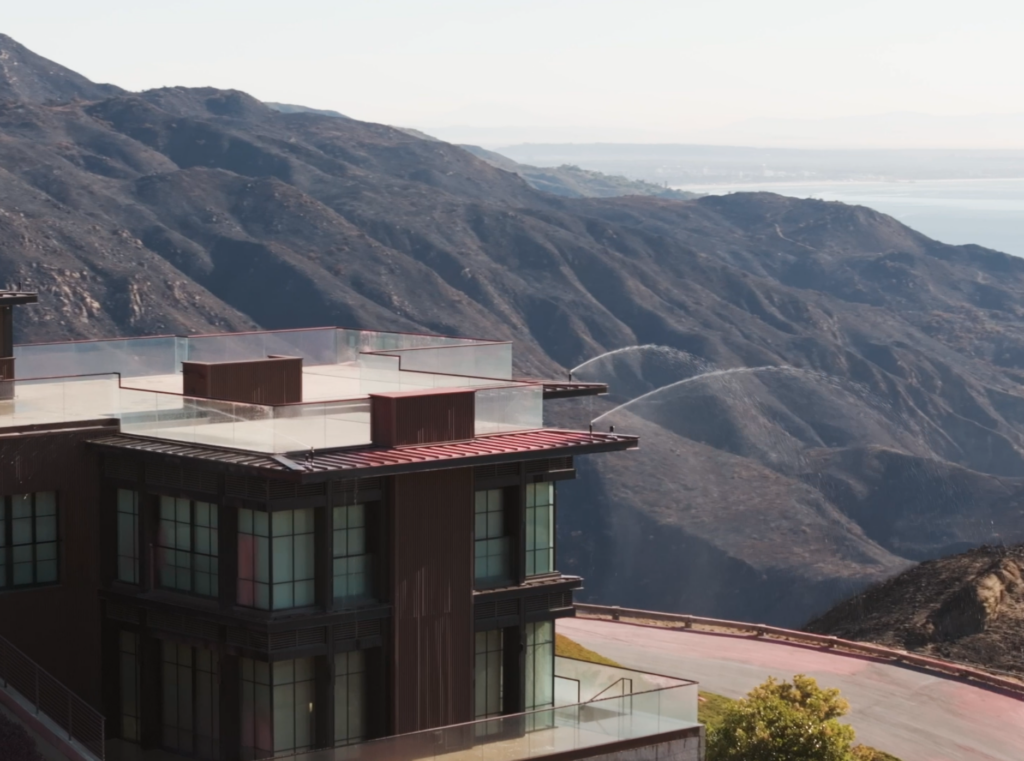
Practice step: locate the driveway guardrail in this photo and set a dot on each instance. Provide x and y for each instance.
(901, 657)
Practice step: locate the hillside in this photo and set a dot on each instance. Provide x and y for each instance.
(897, 436)
(573, 182)
(969, 608)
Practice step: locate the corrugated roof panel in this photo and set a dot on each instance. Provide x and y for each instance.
(373, 461)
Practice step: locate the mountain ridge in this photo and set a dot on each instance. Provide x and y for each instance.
(755, 494)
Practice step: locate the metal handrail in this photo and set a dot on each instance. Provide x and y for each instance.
(80, 721)
(621, 680)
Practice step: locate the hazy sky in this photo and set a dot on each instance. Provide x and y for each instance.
(664, 67)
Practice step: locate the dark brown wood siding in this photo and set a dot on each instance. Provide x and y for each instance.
(6, 332)
(432, 587)
(273, 380)
(422, 418)
(59, 626)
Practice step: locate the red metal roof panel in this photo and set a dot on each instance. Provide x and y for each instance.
(374, 461)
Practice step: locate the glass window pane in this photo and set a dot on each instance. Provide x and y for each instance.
(283, 672)
(46, 503)
(284, 717)
(304, 593)
(46, 571)
(21, 506)
(125, 534)
(282, 522)
(22, 573)
(245, 521)
(304, 557)
(21, 531)
(302, 521)
(263, 596)
(283, 559)
(283, 596)
(167, 508)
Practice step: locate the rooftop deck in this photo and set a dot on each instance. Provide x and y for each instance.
(139, 382)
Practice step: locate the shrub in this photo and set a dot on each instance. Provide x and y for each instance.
(783, 721)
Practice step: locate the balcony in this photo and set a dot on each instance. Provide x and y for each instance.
(615, 709)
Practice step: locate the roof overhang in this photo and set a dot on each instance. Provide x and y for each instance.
(569, 389)
(369, 462)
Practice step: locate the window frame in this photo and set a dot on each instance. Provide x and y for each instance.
(132, 518)
(350, 535)
(489, 663)
(540, 648)
(260, 683)
(252, 577)
(213, 543)
(497, 540)
(188, 680)
(8, 546)
(531, 513)
(350, 676)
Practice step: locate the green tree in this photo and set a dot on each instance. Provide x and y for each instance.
(783, 721)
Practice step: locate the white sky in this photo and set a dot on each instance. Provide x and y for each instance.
(669, 68)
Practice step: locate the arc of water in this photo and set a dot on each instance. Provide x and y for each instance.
(641, 347)
(712, 374)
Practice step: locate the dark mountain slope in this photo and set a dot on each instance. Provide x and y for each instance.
(766, 493)
(25, 76)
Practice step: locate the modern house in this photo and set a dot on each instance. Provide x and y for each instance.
(270, 544)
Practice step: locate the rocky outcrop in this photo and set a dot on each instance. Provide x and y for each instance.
(967, 607)
(978, 603)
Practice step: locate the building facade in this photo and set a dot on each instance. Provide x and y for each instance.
(250, 545)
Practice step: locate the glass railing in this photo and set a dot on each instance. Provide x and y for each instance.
(157, 355)
(509, 408)
(473, 360)
(254, 427)
(163, 355)
(61, 400)
(536, 734)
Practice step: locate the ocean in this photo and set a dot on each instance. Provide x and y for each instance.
(989, 213)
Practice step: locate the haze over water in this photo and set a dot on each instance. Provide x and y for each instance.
(988, 212)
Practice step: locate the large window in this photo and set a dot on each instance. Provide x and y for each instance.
(128, 536)
(540, 528)
(191, 700)
(351, 562)
(540, 665)
(493, 548)
(129, 672)
(488, 678)
(276, 559)
(187, 546)
(277, 707)
(28, 539)
(349, 697)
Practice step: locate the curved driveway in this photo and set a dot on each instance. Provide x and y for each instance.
(914, 715)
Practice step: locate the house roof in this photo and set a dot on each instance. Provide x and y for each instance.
(364, 462)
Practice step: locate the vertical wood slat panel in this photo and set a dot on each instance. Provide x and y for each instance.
(422, 417)
(432, 585)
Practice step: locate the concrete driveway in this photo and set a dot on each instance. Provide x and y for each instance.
(913, 715)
